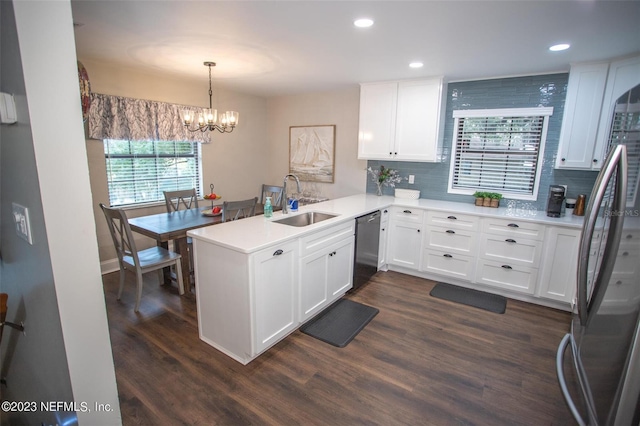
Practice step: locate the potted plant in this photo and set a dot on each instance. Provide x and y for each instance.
(495, 198)
(479, 197)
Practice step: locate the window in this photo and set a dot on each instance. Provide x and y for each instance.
(498, 150)
(139, 171)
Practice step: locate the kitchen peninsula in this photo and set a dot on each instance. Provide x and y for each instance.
(259, 280)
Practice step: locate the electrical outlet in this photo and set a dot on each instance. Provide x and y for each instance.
(21, 219)
(411, 179)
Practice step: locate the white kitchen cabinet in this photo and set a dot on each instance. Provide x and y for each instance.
(592, 92)
(509, 255)
(274, 294)
(401, 120)
(577, 146)
(405, 241)
(558, 278)
(384, 237)
(325, 275)
(624, 75)
(246, 302)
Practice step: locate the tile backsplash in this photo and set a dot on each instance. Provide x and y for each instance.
(519, 92)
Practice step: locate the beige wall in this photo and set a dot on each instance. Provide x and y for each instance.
(336, 107)
(237, 163)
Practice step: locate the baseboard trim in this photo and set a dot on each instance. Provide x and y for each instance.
(108, 266)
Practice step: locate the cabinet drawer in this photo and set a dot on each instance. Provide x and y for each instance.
(513, 228)
(326, 237)
(511, 277)
(453, 220)
(407, 214)
(449, 264)
(630, 239)
(510, 250)
(453, 240)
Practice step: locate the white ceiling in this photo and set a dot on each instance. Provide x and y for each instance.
(271, 48)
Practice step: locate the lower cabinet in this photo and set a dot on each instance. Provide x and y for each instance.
(558, 279)
(274, 294)
(521, 279)
(449, 264)
(325, 274)
(405, 241)
(247, 302)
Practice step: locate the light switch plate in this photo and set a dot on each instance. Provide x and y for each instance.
(21, 219)
(411, 179)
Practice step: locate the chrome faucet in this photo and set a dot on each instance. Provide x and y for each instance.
(285, 204)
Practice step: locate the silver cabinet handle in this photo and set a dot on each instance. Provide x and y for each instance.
(563, 383)
(278, 252)
(510, 240)
(513, 225)
(452, 217)
(447, 255)
(407, 211)
(507, 267)
(449, 231)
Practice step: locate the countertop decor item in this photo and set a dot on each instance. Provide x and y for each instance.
(384, 177)
(412, 194)
(487, 199)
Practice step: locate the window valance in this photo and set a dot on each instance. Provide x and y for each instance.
(116, 117)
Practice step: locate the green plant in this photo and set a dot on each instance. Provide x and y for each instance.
(494, 195)
(480, 194)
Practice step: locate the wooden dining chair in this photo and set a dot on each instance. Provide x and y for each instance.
(233, 210)
(139, 262)
(273, 191)
(175, 200)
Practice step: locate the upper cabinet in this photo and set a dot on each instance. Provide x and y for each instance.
(401, 120)
(591, 96)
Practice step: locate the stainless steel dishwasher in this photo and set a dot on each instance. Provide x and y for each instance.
(366, 251)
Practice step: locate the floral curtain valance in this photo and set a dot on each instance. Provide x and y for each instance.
(115, 117)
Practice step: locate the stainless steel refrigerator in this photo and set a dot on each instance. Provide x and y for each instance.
(598, 362)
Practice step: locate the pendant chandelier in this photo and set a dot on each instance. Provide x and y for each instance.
(208, 119)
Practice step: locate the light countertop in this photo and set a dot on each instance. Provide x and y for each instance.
(255, 233)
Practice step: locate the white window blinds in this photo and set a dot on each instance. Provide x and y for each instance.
(139, 172)
(498, 150)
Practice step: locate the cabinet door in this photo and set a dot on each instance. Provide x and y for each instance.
(314, 294)
(559, 264)
(274, 294)
(405, 241)
(377, 120)
(418, 120)
(581, 116)
(382, 249)
(340, 276)
(624, 75)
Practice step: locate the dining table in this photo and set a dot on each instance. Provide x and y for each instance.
(164, 227)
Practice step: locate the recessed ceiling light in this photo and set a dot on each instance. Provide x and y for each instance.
(559, 47)
(416, 64)
(363, 22)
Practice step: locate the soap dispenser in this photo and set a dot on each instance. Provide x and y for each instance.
(268, 208)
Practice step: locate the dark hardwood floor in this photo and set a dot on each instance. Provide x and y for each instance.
(421, 361)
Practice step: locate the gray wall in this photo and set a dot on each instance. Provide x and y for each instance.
(54, 285)
(34, 364)
(519, 92)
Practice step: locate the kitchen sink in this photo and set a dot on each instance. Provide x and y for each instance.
(305, 219)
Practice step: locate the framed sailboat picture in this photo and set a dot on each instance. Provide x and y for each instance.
(312, 152)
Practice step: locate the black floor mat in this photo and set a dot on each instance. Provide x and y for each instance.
(340, 322)
(470, 297)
